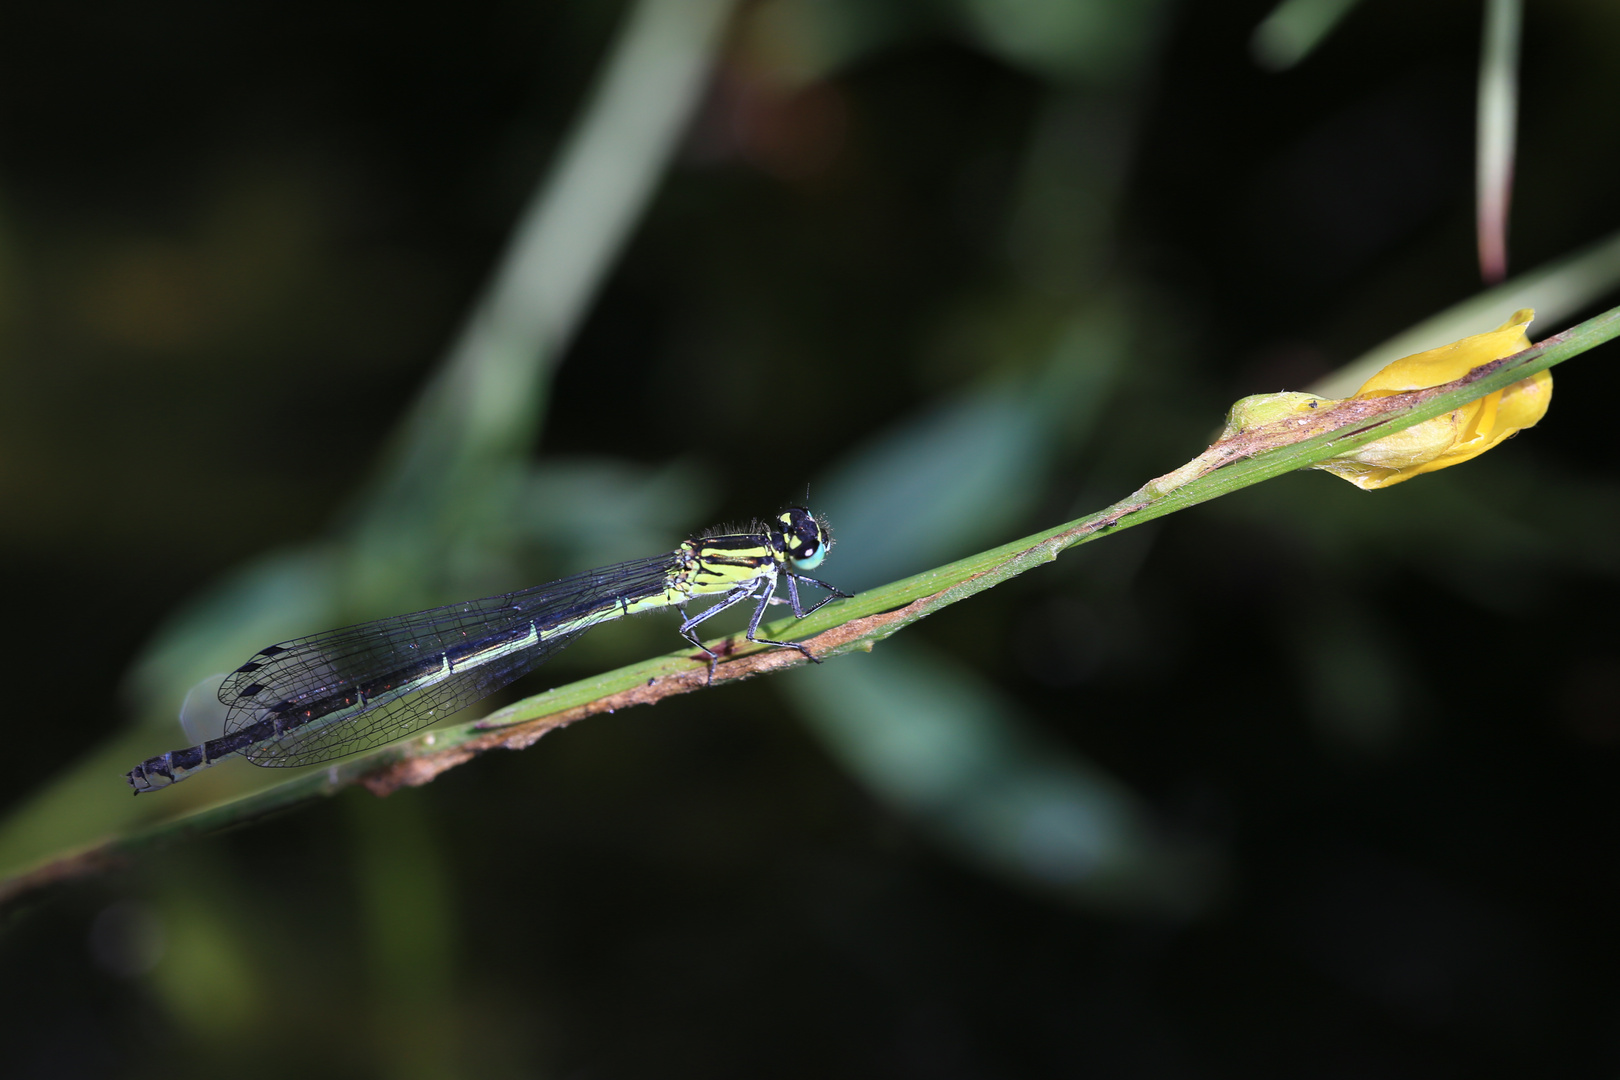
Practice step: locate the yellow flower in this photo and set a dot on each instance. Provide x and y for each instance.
(1459, 435)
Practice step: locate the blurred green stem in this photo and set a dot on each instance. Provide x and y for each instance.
(855, 624)
(453, 462)
(481, 411)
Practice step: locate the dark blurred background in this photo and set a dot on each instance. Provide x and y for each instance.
(1307, 781)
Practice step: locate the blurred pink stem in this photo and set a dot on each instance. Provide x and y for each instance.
(1497, 126)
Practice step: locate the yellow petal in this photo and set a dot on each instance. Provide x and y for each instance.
(1448, 362)
(1525, 403)
(1459, 435)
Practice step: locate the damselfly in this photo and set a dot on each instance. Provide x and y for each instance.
(317, 698)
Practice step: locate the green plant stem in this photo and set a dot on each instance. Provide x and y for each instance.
(854, 624)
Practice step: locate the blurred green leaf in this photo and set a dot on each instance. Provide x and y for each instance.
(1096, 40)
(1294, 29)
(939, 483)
(946, 750)
(1557, 292)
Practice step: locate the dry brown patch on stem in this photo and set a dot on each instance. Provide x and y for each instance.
(424, 765)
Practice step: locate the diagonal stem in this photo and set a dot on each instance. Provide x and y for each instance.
(854, 624)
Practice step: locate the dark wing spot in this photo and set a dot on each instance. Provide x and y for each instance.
(272, 650)
(250, 690)
(250, 666)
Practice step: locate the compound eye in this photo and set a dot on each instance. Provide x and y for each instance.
(809, 556)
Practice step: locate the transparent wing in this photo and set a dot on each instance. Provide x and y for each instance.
(381, 722)
(363, 686)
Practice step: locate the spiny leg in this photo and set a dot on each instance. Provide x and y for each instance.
(833, 593)
(753, 624)
(714, 657)
(736, 596)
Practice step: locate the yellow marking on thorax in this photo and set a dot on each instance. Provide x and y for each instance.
(719, 568)
(705, 570)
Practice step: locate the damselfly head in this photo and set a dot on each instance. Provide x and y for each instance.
(805, 539)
